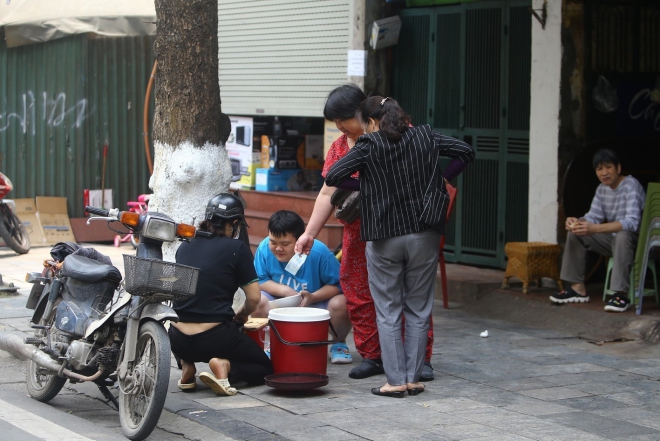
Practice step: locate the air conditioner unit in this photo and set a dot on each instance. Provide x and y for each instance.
(385, 32)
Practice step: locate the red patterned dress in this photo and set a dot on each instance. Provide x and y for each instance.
(354, 277)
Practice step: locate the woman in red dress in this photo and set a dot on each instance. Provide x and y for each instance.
(340, 107)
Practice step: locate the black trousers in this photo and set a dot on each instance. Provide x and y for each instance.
(248, 361)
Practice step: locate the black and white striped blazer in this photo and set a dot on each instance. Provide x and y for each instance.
(401, 186)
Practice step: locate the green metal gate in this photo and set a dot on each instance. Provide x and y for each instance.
(60, 103)
(465, 70)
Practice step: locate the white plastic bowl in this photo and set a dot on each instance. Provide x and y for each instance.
(286, 302)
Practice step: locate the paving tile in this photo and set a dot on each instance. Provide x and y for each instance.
(650, 437)
(554, 393)
(500, 398)
(270, 419)
(636, 398)
(564, 369)
(559, 434)
(629, 413)
(601, 388)
(612, 376)
(651, 371)
(238, 401)
(502, 438)
(418, 416)
(320, 433)
(521, 384)
(452, 404)
(501, 418)
(598, 425)
(591, 403)
(538, 407)
(469, 431)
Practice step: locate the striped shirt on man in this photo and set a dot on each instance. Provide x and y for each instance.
(624, 204)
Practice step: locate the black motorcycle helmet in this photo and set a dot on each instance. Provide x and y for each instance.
(225, 206)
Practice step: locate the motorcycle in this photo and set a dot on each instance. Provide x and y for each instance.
(12, 230)
(92, 326)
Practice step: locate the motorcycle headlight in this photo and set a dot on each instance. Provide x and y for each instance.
(159, 229)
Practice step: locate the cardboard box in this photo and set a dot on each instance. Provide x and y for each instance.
(243, 165)
(54, 219)
(270, 179)
(248, 179)
(93, 199)
(26, 210)
(243, 157)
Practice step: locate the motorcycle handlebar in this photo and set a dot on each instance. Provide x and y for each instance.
(97, 211)
(204, 234)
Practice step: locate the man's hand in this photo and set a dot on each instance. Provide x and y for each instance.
(584, 228)
(307, 298)
(571, 222)
(304, 244)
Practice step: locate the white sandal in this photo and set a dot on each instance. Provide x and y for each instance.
(219, 386)
(186, 386)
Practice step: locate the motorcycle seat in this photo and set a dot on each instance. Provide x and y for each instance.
(89, 270)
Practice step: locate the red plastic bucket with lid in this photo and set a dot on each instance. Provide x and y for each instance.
(299, 339)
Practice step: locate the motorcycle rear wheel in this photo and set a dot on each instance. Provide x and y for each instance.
(43, 387)
(13, 231)
(141, 400)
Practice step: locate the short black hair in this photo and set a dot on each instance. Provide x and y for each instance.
(285, 221)
(343, 102)
(605, 156)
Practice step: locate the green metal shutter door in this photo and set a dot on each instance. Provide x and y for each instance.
(447, 102)
(281, 57)
(517, 133)
(44, 85)
(118, 74)
(481, 181)
(64, 98)
(411, 75)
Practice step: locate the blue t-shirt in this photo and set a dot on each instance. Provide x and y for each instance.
(321, 268)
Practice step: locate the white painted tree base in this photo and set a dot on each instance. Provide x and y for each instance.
(185, 177)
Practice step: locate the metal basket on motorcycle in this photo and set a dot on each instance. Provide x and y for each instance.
(159, 280)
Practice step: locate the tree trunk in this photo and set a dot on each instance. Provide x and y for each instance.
(190, 130)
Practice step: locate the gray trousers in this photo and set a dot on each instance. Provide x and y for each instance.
(402, 272)
(621, 246)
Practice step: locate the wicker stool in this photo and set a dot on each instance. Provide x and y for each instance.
(531, 261)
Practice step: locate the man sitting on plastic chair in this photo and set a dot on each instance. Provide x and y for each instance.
(610, 228)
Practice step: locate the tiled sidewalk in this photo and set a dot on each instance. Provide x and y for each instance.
(520, 383)
(517, 384)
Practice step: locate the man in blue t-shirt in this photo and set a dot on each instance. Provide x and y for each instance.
(317, 280)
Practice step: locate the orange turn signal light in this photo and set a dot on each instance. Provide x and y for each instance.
(185, 230)
(129, 218)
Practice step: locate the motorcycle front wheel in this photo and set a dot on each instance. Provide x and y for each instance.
(142, 393)
(42, 385)
(13, 231)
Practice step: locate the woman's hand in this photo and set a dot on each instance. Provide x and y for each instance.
(304, 244)
(241, 317)
(307, 298)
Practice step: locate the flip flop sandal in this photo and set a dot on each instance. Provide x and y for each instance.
(186, 386)
(220, 387)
